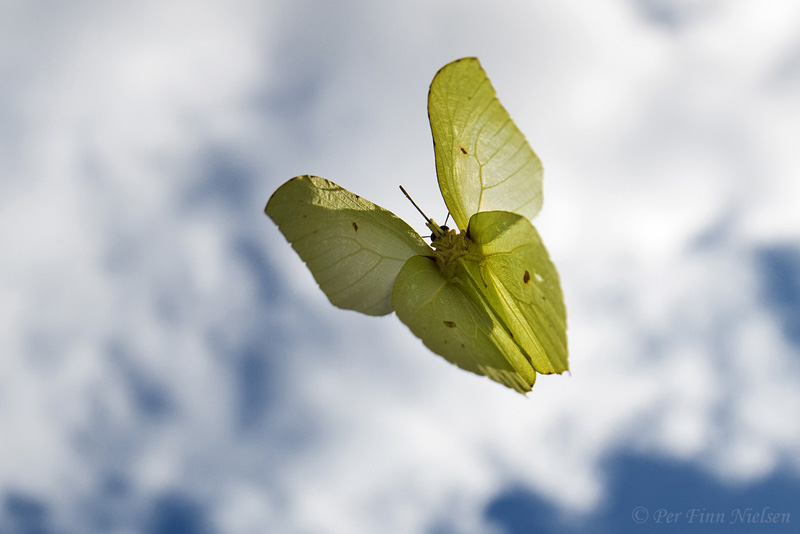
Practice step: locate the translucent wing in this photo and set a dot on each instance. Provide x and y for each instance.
(500, 313)
(521, 284)
(483, 161)
(353, 248)
(455, 323)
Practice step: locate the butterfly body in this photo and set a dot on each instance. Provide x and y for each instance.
(450, 250)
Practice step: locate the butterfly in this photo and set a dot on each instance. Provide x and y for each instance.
(484, 295)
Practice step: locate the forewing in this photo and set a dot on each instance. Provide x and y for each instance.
(522, 286)
(483, 161)
(453, 322)
(353, 248)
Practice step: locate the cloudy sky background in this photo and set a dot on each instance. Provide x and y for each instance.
(167, 363)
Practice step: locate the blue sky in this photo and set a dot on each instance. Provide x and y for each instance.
(169, 365)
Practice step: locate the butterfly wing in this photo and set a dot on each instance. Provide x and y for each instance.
(353, 248)
(518, 281)
(454, 322)
(483, 161)
(501, 314)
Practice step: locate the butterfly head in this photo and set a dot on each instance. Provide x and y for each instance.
(450, 247)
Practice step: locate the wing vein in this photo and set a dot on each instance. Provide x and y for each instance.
(357, 280)
(517, 171)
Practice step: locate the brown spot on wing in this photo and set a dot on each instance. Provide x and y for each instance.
(463, 150)
(449, 324)
(525, 277)
(355, 227)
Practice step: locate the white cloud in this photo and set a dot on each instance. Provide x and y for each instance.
(650, 138)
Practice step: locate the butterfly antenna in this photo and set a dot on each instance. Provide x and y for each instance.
(435, 228)
(446, 219)
(427, 220)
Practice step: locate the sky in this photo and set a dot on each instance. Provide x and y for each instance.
(167, 363)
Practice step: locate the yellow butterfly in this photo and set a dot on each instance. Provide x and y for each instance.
(485, 296)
